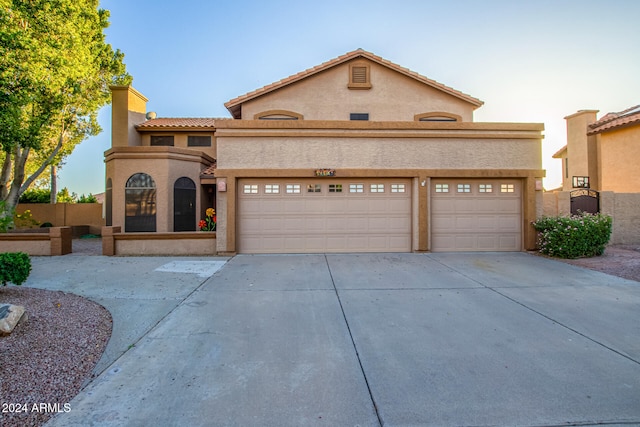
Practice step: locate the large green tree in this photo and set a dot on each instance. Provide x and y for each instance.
(55, 72)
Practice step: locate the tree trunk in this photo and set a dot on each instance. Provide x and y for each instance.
(54, 184)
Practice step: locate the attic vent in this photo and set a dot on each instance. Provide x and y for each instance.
(359, 74)
(359, 77)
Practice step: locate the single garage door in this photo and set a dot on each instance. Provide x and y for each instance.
(476, 215)
(324, 215)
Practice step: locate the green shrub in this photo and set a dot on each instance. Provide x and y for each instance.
(87, 199)
(14, 268)
(578, 236)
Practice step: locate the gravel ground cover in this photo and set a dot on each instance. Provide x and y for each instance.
(46, 360)
(620, 260)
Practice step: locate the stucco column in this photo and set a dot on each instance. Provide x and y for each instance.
(60, 240)
(108, 240)
(424, 186)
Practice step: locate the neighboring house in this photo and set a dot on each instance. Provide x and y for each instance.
(357, 154)
(602, 154)
(600, 170)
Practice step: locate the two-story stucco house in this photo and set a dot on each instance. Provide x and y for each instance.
(357, 154)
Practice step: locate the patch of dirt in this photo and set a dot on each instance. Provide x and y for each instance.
(617, 260)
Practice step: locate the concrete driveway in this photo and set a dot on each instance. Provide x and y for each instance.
(497, 339)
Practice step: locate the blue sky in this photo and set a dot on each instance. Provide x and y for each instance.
(529, 61)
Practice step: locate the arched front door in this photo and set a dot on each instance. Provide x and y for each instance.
(184, 205)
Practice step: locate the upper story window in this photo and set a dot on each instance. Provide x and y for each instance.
(199, 141)
(359, 76)
(437, 116)
(162, 140)
(278, 115)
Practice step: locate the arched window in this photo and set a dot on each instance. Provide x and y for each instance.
(437, 116)
(108, 202)
(140, 203)
(278, 115)
(184, 205)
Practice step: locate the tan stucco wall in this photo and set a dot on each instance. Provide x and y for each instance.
(623, 208)
(619, 152)
(165, 165)
(31, 247)
(174, 245)
(392, 97)
(383, 152)
(66, 214)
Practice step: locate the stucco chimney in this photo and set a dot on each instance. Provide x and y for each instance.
(581, 149)
(128, 108)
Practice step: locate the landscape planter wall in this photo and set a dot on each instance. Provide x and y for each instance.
(67, 214)
(57, 241)
(114, 242)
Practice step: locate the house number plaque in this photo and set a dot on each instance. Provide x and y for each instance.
(325, 172)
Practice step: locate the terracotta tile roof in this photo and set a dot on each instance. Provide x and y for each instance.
(210, 171)
(615, 120)
(181, 123)
(234, 105)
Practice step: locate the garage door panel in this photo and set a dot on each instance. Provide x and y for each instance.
(323, 221)
(476, 220)
(487, 223)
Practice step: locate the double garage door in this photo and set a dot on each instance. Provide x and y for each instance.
(368, 215)
(324, 215)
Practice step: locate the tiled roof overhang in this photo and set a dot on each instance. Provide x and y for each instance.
(167, 123)
(611, 121)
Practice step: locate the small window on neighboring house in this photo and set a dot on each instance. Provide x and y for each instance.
(162, 140)
(442, 188)
(359, 76)
(199, 141)
(359, 116)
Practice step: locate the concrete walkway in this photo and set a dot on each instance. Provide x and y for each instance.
(344, 340)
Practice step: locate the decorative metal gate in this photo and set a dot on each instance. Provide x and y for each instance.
(585, 200)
